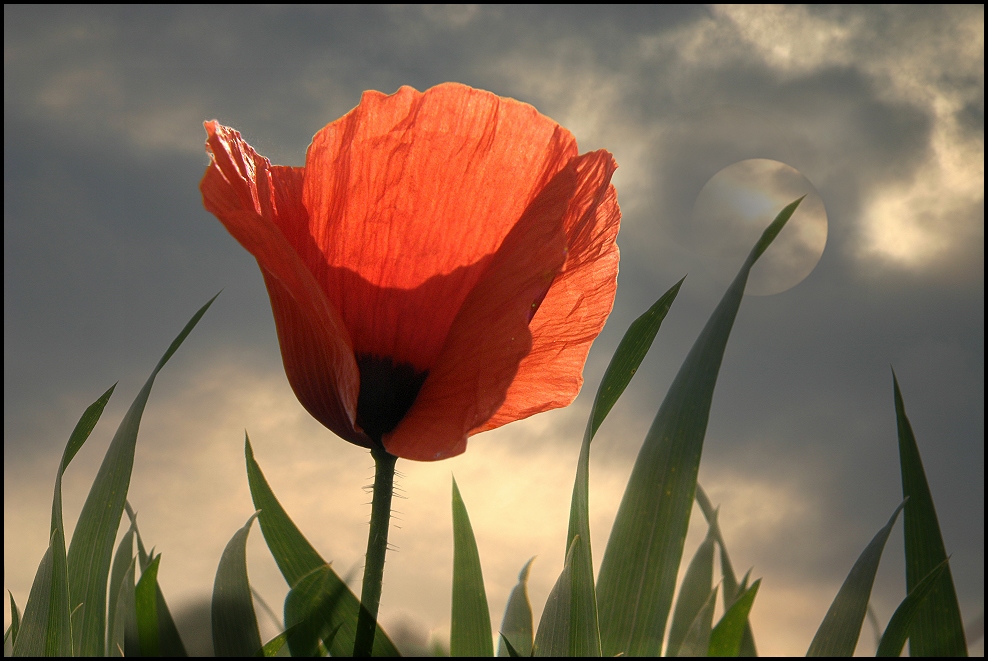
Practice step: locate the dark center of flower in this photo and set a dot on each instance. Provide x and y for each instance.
(387, 391)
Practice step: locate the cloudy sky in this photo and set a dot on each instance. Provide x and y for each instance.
(878, 113)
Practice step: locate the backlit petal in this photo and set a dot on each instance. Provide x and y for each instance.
(578, 303)
(490, 336)
(409, 195)
(255, 200)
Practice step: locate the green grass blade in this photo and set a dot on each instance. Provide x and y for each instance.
(697, 640)
(273, 646)
(727, 638)
(509, 649)
(937, 628)
(296, 558)
(838, 633)
(313, 607)
(554, 636)
(122, 560)
(169, 640)
(48, 605)
(516, 627)
(897, 630)
(44, 629)
(732, 589)
(92, 543)
(470, 627)
(235, 631)
(628, 356)
(10, 636)
(638, 573)
(693, 593)
(146, 606)
(125, 639)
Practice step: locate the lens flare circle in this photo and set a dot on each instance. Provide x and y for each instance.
(738, 203)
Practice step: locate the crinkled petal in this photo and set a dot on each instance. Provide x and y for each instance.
(490, 336)
(578, 303)
(255, 200)
(409, 196)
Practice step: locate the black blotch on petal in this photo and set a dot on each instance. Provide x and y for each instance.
(387, 392)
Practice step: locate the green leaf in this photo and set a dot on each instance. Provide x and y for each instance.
(727, 638)
(582, 626)
(46, 615)
(555, 636)
(45, 629)
(516, 628)
(693, 593)
(122, 560)
(313, 606)
(274, 646)
(897, 631)
(125, 640)
(92, 543)
(732, 589)
(937, 629)
(838, 633)
(146, 606)
(235, 631)
(169, 640)
(470, 628)
(296, 558)
(509, 649)
(638, 572)
(697, 640)
(10, 636)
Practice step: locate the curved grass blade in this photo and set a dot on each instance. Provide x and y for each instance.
(125, 640)
(146, 606)
(937, 629)
(470, 626)
(732, 589)
(312, 605)
(583, 625)
(516, 627)
(169, 640)
(273, 646)
(509, 649)
(122, 560)
(838, 633)
(638, 573)
(697, 640)
(727, 638)
(554, 636)
(10, 636)
(296, 558)
(46, 615)
(897, 631)
(235, 631)
(693, 594)
(92, 543)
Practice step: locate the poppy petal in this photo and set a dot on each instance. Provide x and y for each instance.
(259, 204)
(409, 196)
(490, 335)
(578, 303)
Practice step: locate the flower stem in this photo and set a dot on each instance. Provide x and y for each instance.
(377, 546)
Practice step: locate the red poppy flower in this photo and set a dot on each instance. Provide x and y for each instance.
(438, 268)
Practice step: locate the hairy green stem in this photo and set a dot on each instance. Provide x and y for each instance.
(377, 546)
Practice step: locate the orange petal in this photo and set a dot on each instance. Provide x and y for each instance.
(409, 196)
(578, 303)
(258, 203)
(490, 335)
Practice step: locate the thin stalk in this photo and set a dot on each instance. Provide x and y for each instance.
(377, 546)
